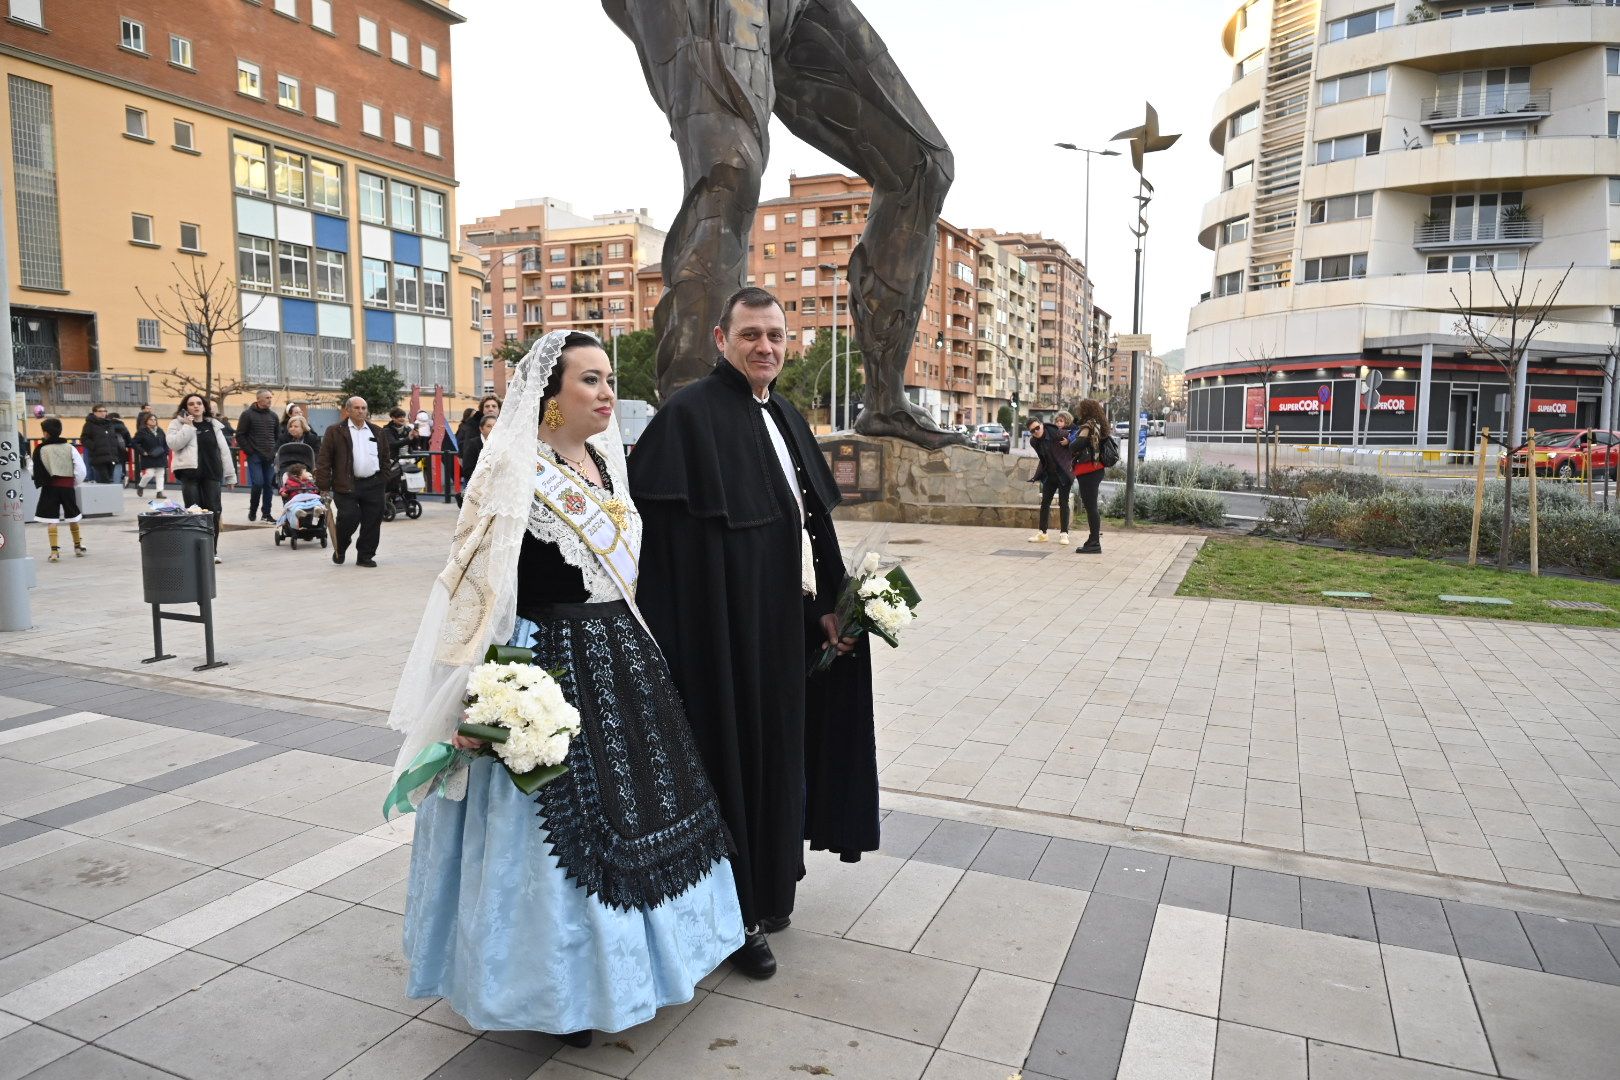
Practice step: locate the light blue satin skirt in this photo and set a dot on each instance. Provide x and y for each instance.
(493, 925)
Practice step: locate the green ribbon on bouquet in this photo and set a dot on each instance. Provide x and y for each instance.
(432, 761)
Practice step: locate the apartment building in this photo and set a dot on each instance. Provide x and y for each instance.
(550, 268)
(300, 150)
(1376, 161)
(1062, 375)
(1119, 382)
(1009, 324)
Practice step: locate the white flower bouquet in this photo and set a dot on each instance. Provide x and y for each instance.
(519, 709)
(874, 600)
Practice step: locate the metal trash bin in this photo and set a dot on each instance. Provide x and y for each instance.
(177, 557)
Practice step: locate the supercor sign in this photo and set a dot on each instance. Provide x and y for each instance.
(1311, 405)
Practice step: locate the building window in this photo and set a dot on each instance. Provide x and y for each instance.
(320, 14)
(180, 51)
(1614, 125)
(1463, 262)
(558, 255)
(809, 276)
(28, 11)
(1336, 268)
(405, 287)
(475, 295)
(1247, 120)
(292, 269)
(559, 282)
(1350, 87)
(185, 136)
(289, 174)
(326, 186)
(810, 219)
(140, 229)
(1229, 284)
(809, 249)
(430, 141)
(1234, 231)
(402, 199)
(1366, 22)
(769, 224)
(1611, 60)
(373, 199)
(616, 252)
(148, 334)
(433, 213)
(1614, 253)
(247, 79)
(1239, 174)
(509, 311)
(1341, 208)
(399, 47)
(559, 307)
(1347, 146)
(325, 105)
(1249, 64)
(135, 123)
(371, 121)
(190, 238)
(368, 34)
(331, 275)
(287, 95)
(769, 251)
(132, 35)
(402, 130)
(288, 7)
(374, 282)
(253, 263)
(1614, 191)
(430, 60)
(770, 282)
(435, 294)
(196, 337)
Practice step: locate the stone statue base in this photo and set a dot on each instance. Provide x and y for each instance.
(954, 485)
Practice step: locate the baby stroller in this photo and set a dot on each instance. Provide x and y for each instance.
(405, 479)
(308, 520)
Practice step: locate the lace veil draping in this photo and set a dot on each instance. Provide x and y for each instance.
(473, 602)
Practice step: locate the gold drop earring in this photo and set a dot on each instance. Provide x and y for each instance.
(554, 416)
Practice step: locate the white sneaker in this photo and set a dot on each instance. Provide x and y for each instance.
(1038, 538)
(1063, 538)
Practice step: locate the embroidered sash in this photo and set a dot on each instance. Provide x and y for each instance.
(599, 524)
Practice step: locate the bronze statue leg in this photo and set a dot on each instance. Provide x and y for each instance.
(839, 90)
(708, 66)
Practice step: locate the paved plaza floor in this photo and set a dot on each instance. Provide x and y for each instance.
(1126, 835)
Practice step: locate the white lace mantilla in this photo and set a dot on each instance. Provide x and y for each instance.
(547, 526)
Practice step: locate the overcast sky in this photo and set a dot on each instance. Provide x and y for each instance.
(550, 101)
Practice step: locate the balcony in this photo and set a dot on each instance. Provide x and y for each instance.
(1505, 106)
(588, 286)
(1440, 235)
(590, 258)
(62, 391)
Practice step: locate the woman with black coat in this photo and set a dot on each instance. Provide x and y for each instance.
(151, 455)
(1051, 443)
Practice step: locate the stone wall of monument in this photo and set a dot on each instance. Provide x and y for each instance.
(953, 486)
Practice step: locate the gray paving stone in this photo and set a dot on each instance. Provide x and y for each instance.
(13, 831)
(1413, 922)
(1205, 886)
(1017, 927)
(1074, 864)
(287, 1031)
(94, 1063)
(384, 744)
(136, 996)
(904, 833)
(25, 925)
(1081, 1036)
(953, 843)
(1330, 1062)
(357, 735)
(1309, 984)
(1544, 1027)
(264, 932)
(486, 1059)
(355, 953)
(1566, 947)
(95, 877)
(68, 691)
(107, 801)
(1264, 896)
(1009, 853)
(1489, 933)
(1611, 937)
(206, 833)
(202, 770)
(302, 739)
(1138, 875)
(50, 713)
(1109, 946)
(1331, 907)
(31, 1048)
(1250, 1053)
(154, 708)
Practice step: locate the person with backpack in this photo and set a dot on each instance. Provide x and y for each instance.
(1095, 449)
(1054, 450)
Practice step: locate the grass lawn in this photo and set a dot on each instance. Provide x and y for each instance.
(1275, 572)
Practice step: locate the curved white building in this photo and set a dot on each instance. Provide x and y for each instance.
(1372, 154)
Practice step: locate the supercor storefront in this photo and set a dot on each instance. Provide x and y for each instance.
(1401, 401)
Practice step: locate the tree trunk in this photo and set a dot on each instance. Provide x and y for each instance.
(1504, 549)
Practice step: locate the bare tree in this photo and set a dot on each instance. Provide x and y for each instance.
(180, 383)
(201, 308)
(1504, 328)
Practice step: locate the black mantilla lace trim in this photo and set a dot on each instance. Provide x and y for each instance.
(634, 821)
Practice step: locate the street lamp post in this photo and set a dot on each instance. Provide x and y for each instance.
(1085, 257)
(832, 396)
(15, 610)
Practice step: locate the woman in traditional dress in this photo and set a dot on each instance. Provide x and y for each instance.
(609, 893)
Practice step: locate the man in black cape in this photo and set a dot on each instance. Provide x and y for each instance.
(737, 503)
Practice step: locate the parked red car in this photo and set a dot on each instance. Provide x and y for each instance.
(1561, 452)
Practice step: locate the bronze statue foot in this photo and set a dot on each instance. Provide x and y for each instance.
(911, 425)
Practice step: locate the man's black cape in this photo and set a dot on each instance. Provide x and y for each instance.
(790, 758)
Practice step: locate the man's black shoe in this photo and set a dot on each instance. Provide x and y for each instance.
(337, 556)
(755, 958)
(365, 562)
(577, 1039)
(776, 925)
